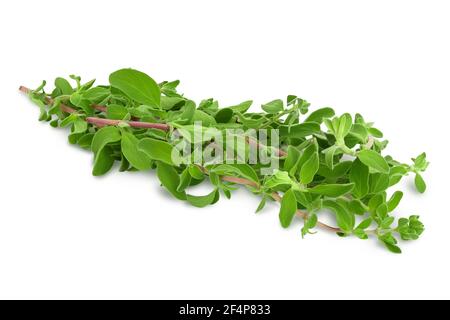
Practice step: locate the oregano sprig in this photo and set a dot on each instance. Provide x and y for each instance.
(326, 161)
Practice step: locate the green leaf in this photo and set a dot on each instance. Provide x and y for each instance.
(420, 163)
(288, 208)
(85, 141)
(382, 211)
(137, 158)
(159, 150)
(329, 156)
(357, 207)
(319, 115)
(359, 132)
(79, 126)
(205, 119)
(169, 103)
(393, 248)
(359, 175)
(76, 98)
(64, 86)
(242, 107)
(365, 224)
(379, 182)
(68, 120)
(345, 219)
(387, 222)
(310, 223)
(273, 107)
(410, 229)
(170, 179)
(299, 131)
(293, 155)
(394, 201)
(344, 127)
(103, 162)
(97, 94)
(195, 172)
(374, 161)
(390, 242)
(116, 112)
(185, 180)
(420, 183)
(203, 201)
(105, 136)
(241, 170)
(332, 190)
(279, 178)
(309, 169)
(224, 115)
(375, 202)
(136, 85)
(262, 204)
(375, 133)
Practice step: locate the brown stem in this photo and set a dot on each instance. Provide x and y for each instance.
(105, 122)
(101, 122)
(241, 181)
(63, 107)
(259, 145)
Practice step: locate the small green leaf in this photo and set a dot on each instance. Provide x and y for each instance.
(357, 207)
(345, 219)
(319, 115)
(170, 179)
(242, 107)
(310, 223)
(262, 204)
(159, 150)
(299, 131)
(273, 107)
(279, 178)
(203, 201)
(365, 224)
(420, 183)
(359, 175)
(103, 162)
(97, 94)
(224, 115)
(379, 182)
(420, 163)
(105, 136)
(195, 172)
(116, 112)
(64, 86)
(205, 119)
(288, 208)
(344, 127)
(137, 158)
(136, 85)
(374, 161)
(387, 222)
(382, 211)
(332, 190)
(292, 158)
(394, 200)
(309, 169)
(79, 126)
(329, 156)
(185, 180)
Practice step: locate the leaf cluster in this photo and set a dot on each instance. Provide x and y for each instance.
(327, 161)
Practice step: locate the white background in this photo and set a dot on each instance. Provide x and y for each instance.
(65, 234)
